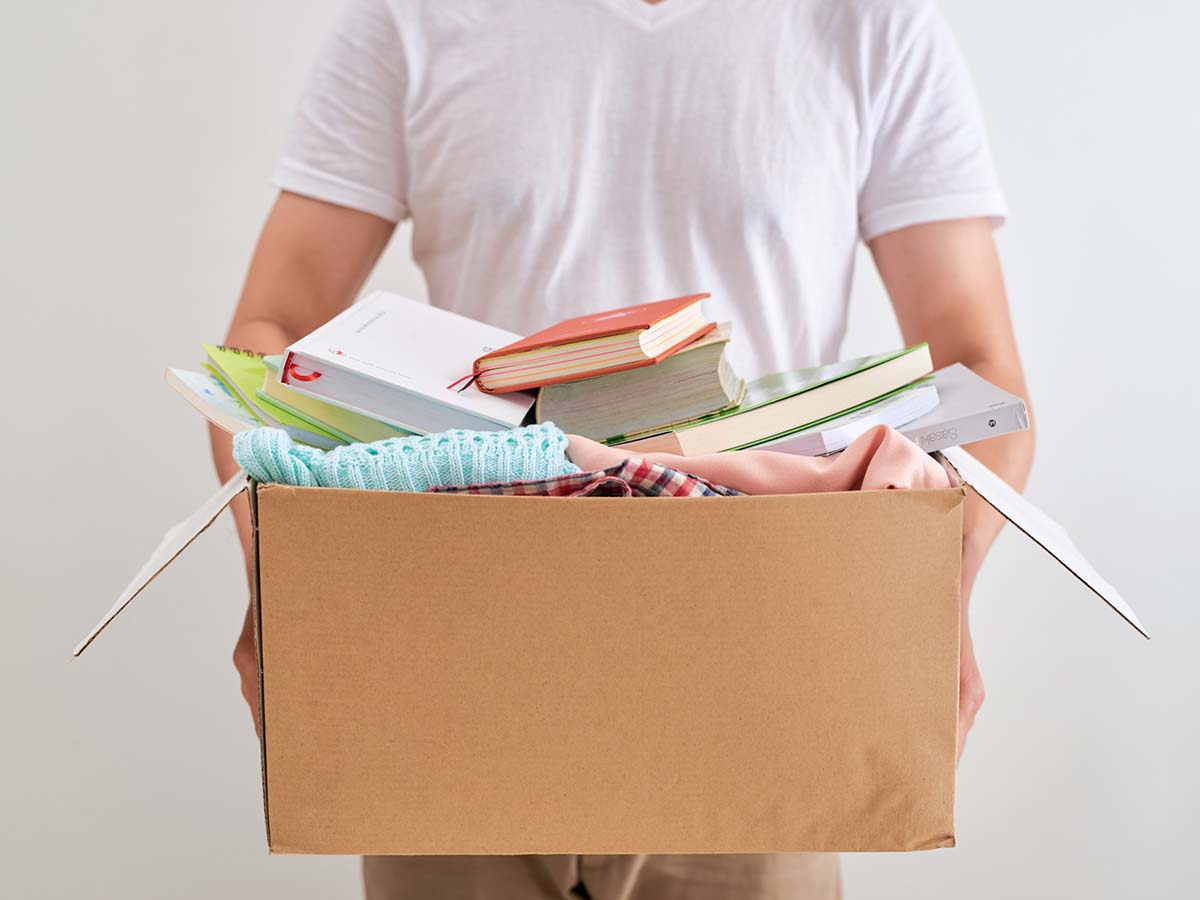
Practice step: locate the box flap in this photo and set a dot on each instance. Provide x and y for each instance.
(1044, 531)
(174, 542)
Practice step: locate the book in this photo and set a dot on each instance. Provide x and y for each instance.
(966, 408)
(970, 408)
(594, 344)
(349, 426)
(242, 371)
(786, 401)
(695, 380)
(213, 399)
(896, 409)
(398, 360)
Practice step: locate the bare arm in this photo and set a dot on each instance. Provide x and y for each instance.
(947, 288)
(311, 261)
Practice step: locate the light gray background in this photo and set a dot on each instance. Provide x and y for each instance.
(137, 141)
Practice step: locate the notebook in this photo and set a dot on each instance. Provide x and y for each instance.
(896, 409)
(396, 359)
(213, 399)
(786, 401)
(595, 344)
(242, 372)
(695, 380)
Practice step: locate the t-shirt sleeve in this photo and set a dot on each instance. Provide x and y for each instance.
(347, 142)
(928, 150)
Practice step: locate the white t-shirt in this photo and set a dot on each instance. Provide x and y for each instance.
(559, 157)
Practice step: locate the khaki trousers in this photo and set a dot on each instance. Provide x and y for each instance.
(756, 876)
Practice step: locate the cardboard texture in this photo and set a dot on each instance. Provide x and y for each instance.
(479, 674)
(444, 674)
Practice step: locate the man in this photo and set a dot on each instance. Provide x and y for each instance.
(559, 157)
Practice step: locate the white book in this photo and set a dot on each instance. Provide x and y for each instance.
(402, 361)
(970, 408)
(835, 435)
(955, 406)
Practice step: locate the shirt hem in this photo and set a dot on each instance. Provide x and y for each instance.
(987, 204)
(299, 179)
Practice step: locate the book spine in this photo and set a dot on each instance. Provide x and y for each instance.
(967, 429)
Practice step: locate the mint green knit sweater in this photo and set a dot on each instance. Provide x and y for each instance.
(414, 463)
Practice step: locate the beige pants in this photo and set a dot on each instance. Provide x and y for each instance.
(791, 876)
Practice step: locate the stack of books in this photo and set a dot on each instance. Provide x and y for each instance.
(625, 372)
(650, 377)
(240, 389)
(380, 369)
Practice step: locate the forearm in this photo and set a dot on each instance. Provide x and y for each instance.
(263, 322)
(947, 287)
(311, 260)
(1009, 456)
(265, 337)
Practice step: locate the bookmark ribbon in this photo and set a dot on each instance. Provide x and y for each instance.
(469, 379)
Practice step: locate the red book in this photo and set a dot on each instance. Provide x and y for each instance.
(594, 344)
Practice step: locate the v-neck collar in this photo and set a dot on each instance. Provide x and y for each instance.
(652, 16)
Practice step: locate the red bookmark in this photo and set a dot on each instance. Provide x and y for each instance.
(469, 379)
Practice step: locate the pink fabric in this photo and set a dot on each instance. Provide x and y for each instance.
(878, 459)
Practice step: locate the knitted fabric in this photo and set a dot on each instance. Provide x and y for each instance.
(415, 463)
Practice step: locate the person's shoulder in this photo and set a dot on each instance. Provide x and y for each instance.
(866, 8)
(884, 25)
(874, 11)
(406, 10)
(883, 16)
(452, 14)
(379, 10)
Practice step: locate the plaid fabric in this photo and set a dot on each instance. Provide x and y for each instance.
(631, 478)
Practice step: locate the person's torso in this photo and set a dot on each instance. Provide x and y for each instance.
(569, 156)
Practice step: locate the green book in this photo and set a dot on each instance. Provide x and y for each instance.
(242, 372)
(785, 401)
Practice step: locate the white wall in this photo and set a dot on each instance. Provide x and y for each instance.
(137, 139)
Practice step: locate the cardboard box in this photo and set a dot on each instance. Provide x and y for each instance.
(444, 674)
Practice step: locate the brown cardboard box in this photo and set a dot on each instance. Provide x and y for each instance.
(446, 674)
(480, 674)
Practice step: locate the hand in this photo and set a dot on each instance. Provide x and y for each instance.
(245, 660)
(970, 683)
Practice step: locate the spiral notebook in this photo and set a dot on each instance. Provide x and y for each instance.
(243, 371)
